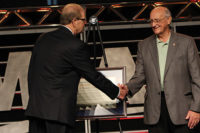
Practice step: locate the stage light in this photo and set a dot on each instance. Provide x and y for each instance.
(159, 3)
(3, 11)
(195, 0)
(43, 10)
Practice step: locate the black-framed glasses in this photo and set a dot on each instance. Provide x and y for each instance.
(83, 19)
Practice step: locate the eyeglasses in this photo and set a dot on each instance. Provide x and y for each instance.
(83, 19)
(151, 21)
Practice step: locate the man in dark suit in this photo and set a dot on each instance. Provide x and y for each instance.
(58, 61)
(168, 64)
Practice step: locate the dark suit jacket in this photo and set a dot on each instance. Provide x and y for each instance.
(58, 62)
(181, 79)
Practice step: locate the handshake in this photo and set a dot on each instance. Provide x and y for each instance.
(123, 91)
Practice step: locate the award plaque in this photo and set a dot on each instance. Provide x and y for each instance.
(92, 103)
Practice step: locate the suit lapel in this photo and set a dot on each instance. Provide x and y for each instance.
(154, 52)
(171, 52)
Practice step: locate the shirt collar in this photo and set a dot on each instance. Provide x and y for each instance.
(67, 28)
(159, 41)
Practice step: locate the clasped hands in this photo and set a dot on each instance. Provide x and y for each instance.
(123, 91)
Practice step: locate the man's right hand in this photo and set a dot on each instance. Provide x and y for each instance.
(193, 119)
(123, 91)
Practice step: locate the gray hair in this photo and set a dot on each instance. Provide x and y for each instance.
(167, 12)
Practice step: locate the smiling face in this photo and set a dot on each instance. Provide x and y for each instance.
(160, 20)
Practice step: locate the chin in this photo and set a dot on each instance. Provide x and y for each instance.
(157, 33)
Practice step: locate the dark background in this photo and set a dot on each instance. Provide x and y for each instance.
(32, 3)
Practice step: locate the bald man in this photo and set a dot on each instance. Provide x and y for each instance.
(58, 61)
(168, 64)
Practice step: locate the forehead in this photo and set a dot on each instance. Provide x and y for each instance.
(83, 13)
(157, 13)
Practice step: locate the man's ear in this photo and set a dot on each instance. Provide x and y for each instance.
(169, 20)
(73, 22)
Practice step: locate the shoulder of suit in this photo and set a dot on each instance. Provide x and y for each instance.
(182, 36)
(150, 38)
(147, 40)
(61, 31)
(64, 33)
(178, 36)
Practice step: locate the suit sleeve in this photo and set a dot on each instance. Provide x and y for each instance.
(81, 62)
(138, 79)
(194, 69)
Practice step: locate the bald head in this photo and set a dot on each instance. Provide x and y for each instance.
(70, 12)
(162, 10)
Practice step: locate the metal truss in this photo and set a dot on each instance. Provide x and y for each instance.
(123, 11)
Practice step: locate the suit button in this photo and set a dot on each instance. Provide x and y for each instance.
(159, 93)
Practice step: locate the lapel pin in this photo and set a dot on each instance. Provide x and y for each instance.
(174, 44)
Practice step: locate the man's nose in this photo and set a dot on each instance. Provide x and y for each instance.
(153, 24)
